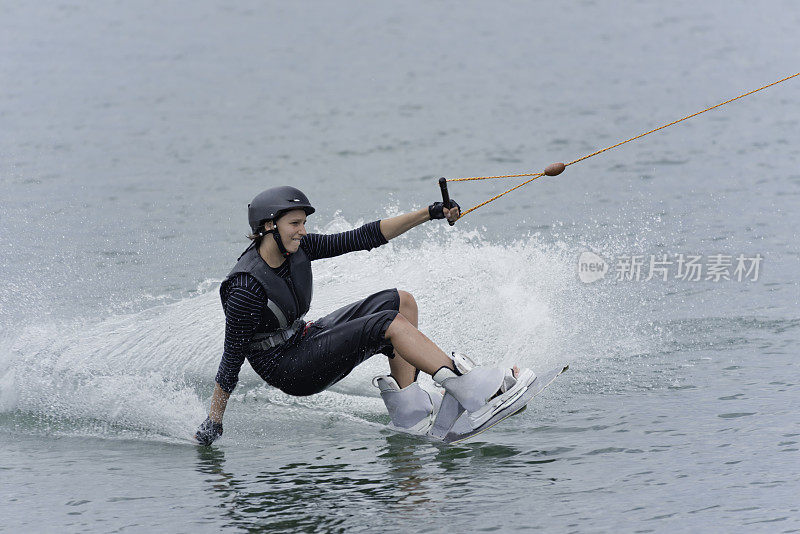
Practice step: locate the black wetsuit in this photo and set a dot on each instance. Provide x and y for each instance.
(327, 349)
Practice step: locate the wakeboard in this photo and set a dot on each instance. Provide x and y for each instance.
(461, 430)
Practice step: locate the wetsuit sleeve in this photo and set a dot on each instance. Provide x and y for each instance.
(367, 237)
(245, 302)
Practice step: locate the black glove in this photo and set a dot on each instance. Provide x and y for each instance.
(208, 432)
(436, 210)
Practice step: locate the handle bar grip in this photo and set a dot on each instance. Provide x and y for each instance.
(445, 195)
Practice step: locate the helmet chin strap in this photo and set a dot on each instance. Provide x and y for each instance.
(285, 253)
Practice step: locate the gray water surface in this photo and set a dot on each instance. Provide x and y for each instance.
(132, 136)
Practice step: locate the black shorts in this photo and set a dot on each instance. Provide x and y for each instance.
(333, 345)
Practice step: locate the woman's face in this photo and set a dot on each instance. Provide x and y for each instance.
(292, 227)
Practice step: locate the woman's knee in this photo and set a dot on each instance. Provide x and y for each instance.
(406, 298)
(407, 303)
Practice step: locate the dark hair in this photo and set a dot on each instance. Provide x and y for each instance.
(257, 237)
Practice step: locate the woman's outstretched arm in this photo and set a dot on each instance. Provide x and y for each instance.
(391, 228)
(371, 235)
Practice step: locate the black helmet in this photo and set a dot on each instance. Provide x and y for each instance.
(268, 205)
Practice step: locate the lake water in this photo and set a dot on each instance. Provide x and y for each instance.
(133, 135)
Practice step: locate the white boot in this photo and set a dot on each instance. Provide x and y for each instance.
(411, 409)
(482, 391)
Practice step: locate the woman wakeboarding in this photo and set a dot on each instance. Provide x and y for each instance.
(267, 294)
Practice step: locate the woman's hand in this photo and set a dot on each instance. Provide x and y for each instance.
(438, 211)
(208, 432)
(453, 213)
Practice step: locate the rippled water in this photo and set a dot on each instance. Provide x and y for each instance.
(133, 135)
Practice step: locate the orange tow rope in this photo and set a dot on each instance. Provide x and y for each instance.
(555, 169)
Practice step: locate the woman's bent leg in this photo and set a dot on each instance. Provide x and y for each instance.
(402, 371)
(415, 348)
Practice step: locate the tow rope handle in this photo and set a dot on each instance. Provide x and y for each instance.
(445, 196)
